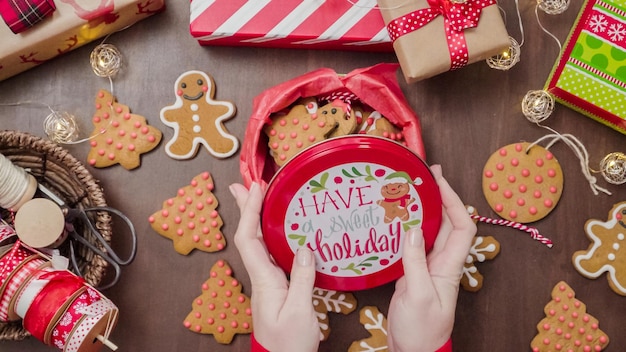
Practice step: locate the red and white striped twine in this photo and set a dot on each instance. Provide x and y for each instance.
(534, 233)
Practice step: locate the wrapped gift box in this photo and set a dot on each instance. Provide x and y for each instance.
(590, 74)
(303, 24)
(73, 24)
(424, 51)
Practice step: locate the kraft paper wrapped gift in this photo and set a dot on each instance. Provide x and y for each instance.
(420, 40)
(302, 24)
(73, 24)
(590, 74)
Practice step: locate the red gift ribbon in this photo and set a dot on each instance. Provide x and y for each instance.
(60, 288)
(457, 17)
(20, 15)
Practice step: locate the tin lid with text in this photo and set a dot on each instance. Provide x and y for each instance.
(350, 200)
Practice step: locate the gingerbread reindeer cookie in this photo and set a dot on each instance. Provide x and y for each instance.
(197, 119)
(606, 253)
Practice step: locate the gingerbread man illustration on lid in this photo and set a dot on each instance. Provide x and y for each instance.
(198, 119)
(396, 195)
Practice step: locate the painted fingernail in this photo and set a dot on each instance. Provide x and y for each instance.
(415, 237)
(304, 257)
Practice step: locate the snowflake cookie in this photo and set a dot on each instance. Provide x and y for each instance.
(483, 248)
(376, 324)
(327, 301)
(606, 253)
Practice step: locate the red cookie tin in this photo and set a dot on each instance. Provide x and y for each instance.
(350, 200)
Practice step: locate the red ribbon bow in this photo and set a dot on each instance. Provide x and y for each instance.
(457, 17)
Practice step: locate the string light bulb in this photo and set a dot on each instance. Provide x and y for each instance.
(553, 7)
(61, 127)
(537, 105)
(106, 60)
(506, 59)
(613, 168)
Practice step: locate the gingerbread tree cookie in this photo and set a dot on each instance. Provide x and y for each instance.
(119, 137)
(222, 310)
(483, 248)
(376, 324)
(304, 125)
(606, 253)
(567, 326)
(326, 301)
(191, 219)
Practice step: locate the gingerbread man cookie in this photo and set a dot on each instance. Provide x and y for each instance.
(522, 183)
(483, 248)
(326, 301)
(304, 125)
(567, 325)
(606, 253)
(119, 137)
(197, 119)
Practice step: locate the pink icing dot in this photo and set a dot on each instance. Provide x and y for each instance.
(508, 194)
(220, 246)
(549, 156)
(499, 208)
(521, 202)
(553, 189)
(493, 186)
(522, 188)
(281, 136)
(511, 178)
(305, 126)
(282, 122)
(513, 214)
(537, 194)
(311, 138)
(187, 324)
(131, 147)
(210, 321)
(500, 166)
(191, 226)
(532, 210)
(273, 132)
(538, 179)
(546, 341)
(196, 238)
(489, 173)
(502, 152)
(234, 324)
(518, 147)
(525, 172)
(514, 162)
(551, 173)
(548, 203)
(546, 326)
(207, 243)
(220, 329)
(178, 220)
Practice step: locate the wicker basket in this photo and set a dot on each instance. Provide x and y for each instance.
(56, 169)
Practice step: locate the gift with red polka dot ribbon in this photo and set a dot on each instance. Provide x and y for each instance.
(457, 18)
(434, 36)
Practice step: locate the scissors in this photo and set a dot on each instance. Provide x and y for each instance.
(73, 217)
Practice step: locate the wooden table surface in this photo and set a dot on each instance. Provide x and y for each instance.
(465, 115)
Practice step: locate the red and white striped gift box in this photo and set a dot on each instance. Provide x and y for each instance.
(303, 24)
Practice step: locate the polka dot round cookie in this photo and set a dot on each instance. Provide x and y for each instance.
(522, 183)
